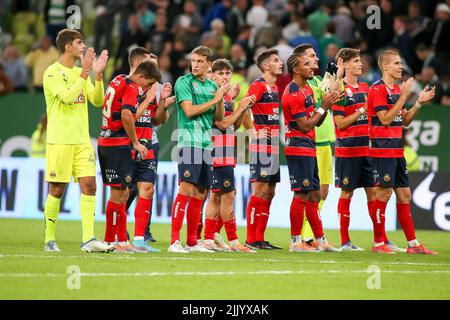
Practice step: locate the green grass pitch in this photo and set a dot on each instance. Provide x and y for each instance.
(27, 272)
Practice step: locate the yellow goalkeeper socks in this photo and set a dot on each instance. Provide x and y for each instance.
(87, 210)
(51, 216)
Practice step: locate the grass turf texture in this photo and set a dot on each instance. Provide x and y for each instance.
(27, 272)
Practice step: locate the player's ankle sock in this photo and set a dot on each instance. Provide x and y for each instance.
(141, 216)
(219, 224)
(51, 211)
(413, 243)
(230, 229)
(193, 215)
(122, 224)
(252, 211)
(296, 214)
(314, 220)
(378, 219)
(344, 219)
(178, 210)
(112, 213)
(378, 244)
(138, 238)
(296, 239)
(322, 240)
(405, 219)
(87, 209)
(307, 233)
(210, 228)
(234, 242)
(261, 221)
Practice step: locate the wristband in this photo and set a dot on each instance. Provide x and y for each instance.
(419, 105)
(362, 110)
(321, 111)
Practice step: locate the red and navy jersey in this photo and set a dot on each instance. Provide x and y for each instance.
(266, 114)
(224, 143)
(144, 125)
(297, 104)
(353, 141)
(122, 93)
(386, 141)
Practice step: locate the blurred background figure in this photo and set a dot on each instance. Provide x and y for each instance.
(15, 69)
(6, 85)
(42, 56)
(411, 156)
(39, 139)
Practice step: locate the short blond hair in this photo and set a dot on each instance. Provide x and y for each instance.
(385, 55)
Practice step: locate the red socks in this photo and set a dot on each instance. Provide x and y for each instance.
(230, 228)
(122, 224)
(297, 215)
(210, 228)
(405, 219)
(178, 210)
(141, 216)
(377, 214)
(262, 219)
(193, 215)
(312, 214)
(112, 215)
(200, 226)
(344, 219)
(252, 212)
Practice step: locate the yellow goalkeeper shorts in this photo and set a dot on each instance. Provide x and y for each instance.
(325, 164)
(64, 161)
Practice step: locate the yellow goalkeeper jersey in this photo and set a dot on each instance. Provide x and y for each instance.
(66, 96)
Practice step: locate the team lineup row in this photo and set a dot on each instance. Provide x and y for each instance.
(369, 151)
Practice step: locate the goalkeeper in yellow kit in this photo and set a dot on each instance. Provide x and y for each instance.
(69, 153)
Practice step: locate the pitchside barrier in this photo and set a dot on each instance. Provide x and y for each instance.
(23, 192)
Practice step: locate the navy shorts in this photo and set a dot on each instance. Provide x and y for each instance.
(194, 166)
(303, 173)
(116, 165)
(144, 170)
(222, 179)
(264, 169)
(390, 172)
(352, 173)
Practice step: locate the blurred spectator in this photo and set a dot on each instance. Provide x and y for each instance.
(319, 19)
(221, 40)
(441, 31)
(368, 75)
(238, 57)
(429, 78)
(126, 9)
(39, 59)
(104, 24)
(146, 17)
(292, 29)
(39, 139)
(269, 34)
(386, 34)
(304, 36)
(15, 68)
(218, 11)
(416, 22)
(361, 45)
(330, 53)
(236, 18)
(133, 37)
(164, 68)
(445, 81)
(277, 8)
(56, 16)
(284, 51)
(328, 38)
(253, 71)
(238, 77)
(6, 85)
(160, 35)
(344, 25)
(189, 24)
(403, 42)
(429, 59)
(256, 18)
(178, 57)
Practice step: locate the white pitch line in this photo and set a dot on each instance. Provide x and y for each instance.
(210, 274)
(198, 258)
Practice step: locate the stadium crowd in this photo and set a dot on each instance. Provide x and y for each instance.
(237, 30)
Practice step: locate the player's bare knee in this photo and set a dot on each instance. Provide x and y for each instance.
(324, 189)
(57, 189)
(384, 194)
(314, 196)
(146, 191)
(403, 195)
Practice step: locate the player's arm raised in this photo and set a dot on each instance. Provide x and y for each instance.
(96, 93)
(237, 116)
(425, 96)
(387, 116)
(344, 122)
(150, 95)
(328, 100)
(161, 114)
